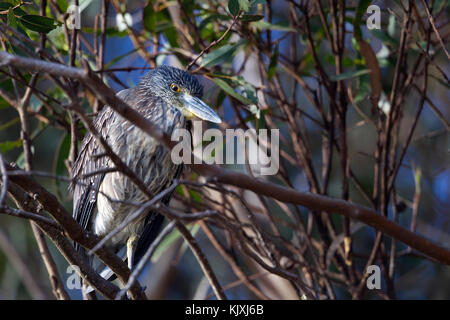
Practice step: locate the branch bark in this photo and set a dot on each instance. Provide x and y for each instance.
(216, 174)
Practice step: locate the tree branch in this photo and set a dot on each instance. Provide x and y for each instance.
(314, 202)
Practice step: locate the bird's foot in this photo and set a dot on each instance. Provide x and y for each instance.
(131, 246)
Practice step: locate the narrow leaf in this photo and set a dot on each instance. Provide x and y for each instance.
(375, 72)
(221, 54)
(273, 63)
(229, 90)
(264, 25)
(362, 7)
(37, 23)
(12, 22)
(244, 5)
(150, 18)
(9, 145)
(233, 6)
(251, 17)
(348, 75)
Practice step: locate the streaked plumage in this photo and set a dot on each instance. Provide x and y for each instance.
(156, 99)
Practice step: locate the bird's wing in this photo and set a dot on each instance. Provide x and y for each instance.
(153, 223)
(90, 160)
(154, 220)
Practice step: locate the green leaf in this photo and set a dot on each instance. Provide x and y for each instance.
(229, 90)
(38, 23)
(255, 2)
(264, 25)
(221, 54)
(213, 18)
(363, 88)
(362, 8)
(63, 5)
(438, 5)
(9, 145)
(258, 116)
(273, 63)
(261, 124)
(4, 104)
(12, 22)
(9, 123)
(164, 24)
(170, 239)
(195, 196)
(150, 18)
(244, 5)
(417, 178)
(251, 17)
(346, 62)
(392, 26)
(117, 59)
(6, 6)
(220, 98)
(233, 6)
(110, 32)
(180, 190)
(255, 111)
(247, 88)
(385, 37)
(350, 74)
(165, 244)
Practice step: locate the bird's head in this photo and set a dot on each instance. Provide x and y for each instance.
(179, 89)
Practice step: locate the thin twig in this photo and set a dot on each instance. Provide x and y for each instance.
(21, 267)
(212, 44)
(204, 263)
(219, 175)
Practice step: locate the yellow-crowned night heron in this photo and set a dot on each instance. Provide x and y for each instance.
(167, 96)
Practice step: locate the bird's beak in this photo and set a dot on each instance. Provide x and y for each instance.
(193, 106)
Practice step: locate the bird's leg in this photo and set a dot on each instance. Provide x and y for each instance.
(131, 246)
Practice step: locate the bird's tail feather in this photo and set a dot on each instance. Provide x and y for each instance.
(107, 273)
(152, 227)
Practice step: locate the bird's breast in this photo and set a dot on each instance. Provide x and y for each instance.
(149, 159)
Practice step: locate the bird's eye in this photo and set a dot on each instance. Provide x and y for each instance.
(174, 87)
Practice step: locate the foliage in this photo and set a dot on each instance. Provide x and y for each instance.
(362, 114)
